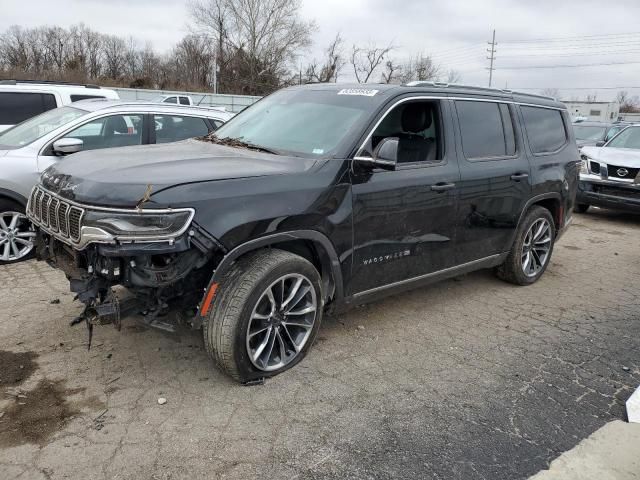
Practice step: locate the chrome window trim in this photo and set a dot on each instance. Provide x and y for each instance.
(442, 98)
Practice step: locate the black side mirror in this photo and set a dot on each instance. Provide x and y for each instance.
(385, 154)
(601, 143)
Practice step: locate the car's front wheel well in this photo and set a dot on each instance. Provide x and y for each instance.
(317, 256)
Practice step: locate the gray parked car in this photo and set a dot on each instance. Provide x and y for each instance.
(27, 149)
(596, 133)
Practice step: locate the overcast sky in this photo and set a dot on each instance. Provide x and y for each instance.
(453, 31)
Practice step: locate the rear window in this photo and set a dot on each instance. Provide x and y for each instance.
(545, 129)
(77, 98)
(16, 107)
(184, 101)
(486, 128)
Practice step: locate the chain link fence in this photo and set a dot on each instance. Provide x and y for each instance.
(233, 103)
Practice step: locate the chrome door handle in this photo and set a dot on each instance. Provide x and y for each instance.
(443, 187)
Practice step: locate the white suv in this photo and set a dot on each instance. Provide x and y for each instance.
(28, 149)
(23, 99)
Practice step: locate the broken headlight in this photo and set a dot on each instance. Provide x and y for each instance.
(141, 224)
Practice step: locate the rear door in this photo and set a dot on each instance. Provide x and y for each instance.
(494, 171)
(404, 220)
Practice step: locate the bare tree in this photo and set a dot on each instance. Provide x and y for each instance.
(453, 76)
(114, 55)
(421, 68)
(391, 73)
(366, 60)
(258, 39)
(551, 92)
(332, 64)
(627, 103)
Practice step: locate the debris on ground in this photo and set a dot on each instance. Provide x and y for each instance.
(55, 301)
(626, 369)
(162, 401)
(360, 327)
(98, 422)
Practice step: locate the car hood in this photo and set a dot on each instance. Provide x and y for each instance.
(586, 143)
(121, 176)
(622, 157)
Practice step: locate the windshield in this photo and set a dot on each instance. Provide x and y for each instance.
(584, 132)
(628, 138)
(30, 130)
(301, 122)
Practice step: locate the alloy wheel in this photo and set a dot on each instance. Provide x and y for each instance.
(536, 247)
(16, 236)
(281, 322)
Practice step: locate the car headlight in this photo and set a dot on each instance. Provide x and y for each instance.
(138, 225)
(583, 164)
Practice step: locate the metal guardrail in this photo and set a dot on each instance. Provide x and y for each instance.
(233, 103)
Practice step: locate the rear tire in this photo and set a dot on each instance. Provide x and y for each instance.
(581, 208)
(531, 250)
(251, 309)
(17, 237)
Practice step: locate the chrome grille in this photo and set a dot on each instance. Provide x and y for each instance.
(55, 214)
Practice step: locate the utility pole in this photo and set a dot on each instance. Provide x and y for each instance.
(492, 56)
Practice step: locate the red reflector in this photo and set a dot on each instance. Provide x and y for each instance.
(206, 305)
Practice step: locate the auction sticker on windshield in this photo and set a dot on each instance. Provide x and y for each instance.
(358, 91)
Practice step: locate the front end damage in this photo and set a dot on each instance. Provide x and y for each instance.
(161, 279)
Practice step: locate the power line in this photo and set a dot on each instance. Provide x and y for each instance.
(578, 54)
(526, 67)
(569, 38)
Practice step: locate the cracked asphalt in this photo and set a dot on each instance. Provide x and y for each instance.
(471, 378)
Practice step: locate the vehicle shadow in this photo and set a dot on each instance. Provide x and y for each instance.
(612, 216)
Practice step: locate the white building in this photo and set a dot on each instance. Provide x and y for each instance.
(594, 111)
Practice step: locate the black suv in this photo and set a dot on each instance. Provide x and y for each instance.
(315, 198)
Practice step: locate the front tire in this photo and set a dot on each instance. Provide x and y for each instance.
(265, 316)
(17, 238)
(531, 250)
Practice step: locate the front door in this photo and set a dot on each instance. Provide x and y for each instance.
(404, 220)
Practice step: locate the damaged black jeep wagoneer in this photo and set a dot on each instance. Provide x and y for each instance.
(314, 198)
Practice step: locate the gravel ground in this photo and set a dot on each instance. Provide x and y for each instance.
(470, 378)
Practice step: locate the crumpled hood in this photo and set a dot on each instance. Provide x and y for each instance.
(119, 176)
(622, 157)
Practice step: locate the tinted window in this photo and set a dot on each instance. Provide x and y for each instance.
(109, 132)
(414, 125)
(77, 98)
(16, 107)
(487, 129)
(184, 101)
(173, 128)
(545, 129)
(171, 100)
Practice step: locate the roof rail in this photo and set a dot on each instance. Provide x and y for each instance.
(48, 82)
(472, 87)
